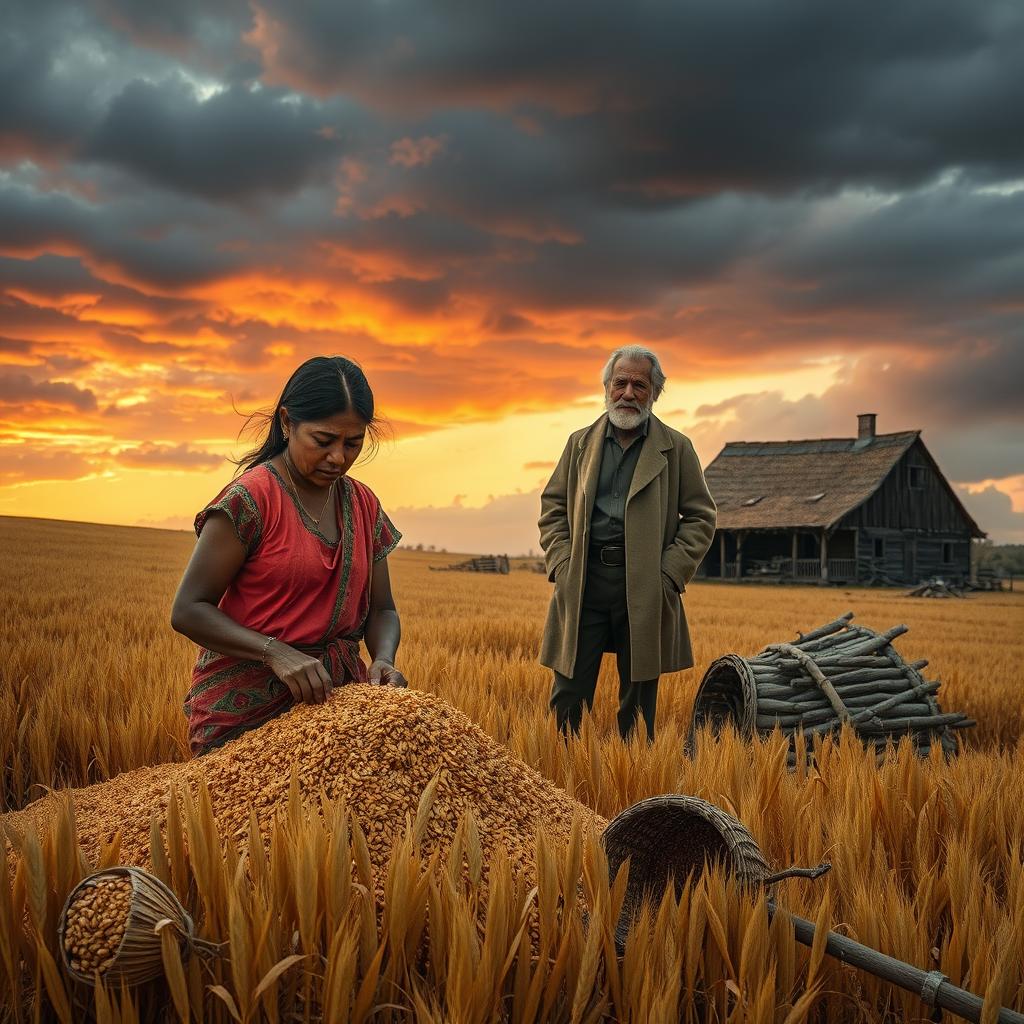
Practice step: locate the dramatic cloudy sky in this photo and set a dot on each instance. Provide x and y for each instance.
(809, 209)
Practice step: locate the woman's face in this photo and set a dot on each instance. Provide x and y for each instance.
(324, 450)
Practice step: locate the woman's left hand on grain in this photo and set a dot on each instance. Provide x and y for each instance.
(383, 673)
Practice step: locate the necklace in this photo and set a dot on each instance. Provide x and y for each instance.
(295, 491)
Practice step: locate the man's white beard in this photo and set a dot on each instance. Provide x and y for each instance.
(626, 419)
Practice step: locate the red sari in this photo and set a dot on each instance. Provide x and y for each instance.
(294, 585)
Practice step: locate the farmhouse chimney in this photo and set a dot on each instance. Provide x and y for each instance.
(866, 426)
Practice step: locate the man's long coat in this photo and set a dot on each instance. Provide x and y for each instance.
(670, 522)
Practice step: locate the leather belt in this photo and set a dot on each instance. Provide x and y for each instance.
(610, 554)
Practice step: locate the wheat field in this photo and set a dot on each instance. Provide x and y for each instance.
(928, 856)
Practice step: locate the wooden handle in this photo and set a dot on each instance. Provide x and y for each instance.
(930, 986)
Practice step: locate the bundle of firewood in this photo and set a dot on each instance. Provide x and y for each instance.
(837, 675)
(935, 588)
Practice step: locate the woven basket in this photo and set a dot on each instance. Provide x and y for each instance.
(727, 692)
(669, 838)
(138, 958)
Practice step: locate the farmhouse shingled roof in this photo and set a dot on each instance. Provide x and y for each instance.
(814, 483)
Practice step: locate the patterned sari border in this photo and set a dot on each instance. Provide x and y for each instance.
(382, 518)
(347, 538)
(307, 520)
(223, 676)
(242, 511)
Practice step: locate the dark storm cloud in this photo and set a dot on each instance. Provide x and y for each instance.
(165, 246)
(48, 275)
(185, 26)
(653, 100)
(38, 110)
(73, 86)
(484, 169)
(523, 216)
(993, 509)
(973, 454)
(628, 258)
(235, 144)
(690, 97)
(939, 248)
(427, 243)
(980, 381)
(33, 221)
(61, 67)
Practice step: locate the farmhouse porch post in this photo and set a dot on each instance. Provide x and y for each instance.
(824, 555)
(721, 554)
(793, 557)
(739, 553)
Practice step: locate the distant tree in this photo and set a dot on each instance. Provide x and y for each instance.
(419, 547)
(1002, 559)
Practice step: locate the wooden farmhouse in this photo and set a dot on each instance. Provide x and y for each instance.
(874, 508)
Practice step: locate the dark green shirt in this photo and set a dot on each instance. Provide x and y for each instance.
(608, 520)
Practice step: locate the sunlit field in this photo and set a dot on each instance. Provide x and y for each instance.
(927, 856)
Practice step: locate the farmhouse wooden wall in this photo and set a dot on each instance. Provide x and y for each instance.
(897, 506)
(913, 523)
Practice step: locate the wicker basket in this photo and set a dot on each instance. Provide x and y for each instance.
(669, 838)
(138, 958)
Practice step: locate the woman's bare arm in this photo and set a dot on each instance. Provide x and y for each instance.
(216, 560)
(383, 629)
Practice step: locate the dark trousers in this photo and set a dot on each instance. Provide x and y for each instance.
(604, 626)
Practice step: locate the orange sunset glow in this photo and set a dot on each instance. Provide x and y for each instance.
(194, 200)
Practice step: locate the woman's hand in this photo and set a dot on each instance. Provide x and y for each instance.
(304, 675)
(383, 673)
(383, 630)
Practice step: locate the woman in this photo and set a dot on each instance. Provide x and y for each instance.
(290, 569)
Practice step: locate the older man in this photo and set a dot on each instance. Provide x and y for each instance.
(625, 520)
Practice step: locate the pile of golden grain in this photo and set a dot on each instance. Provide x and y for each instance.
(95, 924)
(375, 748)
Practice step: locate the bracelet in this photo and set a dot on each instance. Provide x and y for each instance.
(266, 645)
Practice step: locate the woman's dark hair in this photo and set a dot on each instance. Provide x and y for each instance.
(319, 388)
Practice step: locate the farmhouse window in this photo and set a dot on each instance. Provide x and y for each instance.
(947, 552)
(915, 477)
(879, 547)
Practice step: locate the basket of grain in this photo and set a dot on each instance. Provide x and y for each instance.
(111, 924)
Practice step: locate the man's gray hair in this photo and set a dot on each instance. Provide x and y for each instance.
(636, 352)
